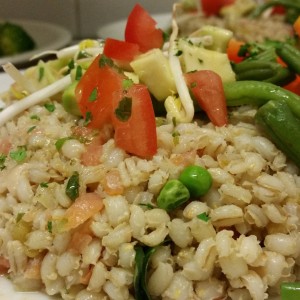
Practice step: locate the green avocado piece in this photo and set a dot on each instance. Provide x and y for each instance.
(69, 100)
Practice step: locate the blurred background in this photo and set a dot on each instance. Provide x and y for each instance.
(81, 17)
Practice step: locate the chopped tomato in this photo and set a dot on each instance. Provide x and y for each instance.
(233, 50)
(278, 9)
(5, 146)
(92, 154)
(212, 7)
(4, 265)
(137, 134)
(112, 183)
(120, 50)
(296, 26)
(33, 268)
(95, 89)
(84, 207)
(294, 86)
(207, 88)
(141, 29)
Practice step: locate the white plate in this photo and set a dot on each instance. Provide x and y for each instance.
(116, 29)
(47, 36)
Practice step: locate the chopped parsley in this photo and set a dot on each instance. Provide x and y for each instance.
(60, 142)
(105, 61)
(127, 83)
(50, 107)
(71, 64)
(204, 217)
(49, 226)
(193, 84)
(88, 118)
(35, 117)
(72, 188)
(123, 111)
(178, 53)
(78, 73)
(31, 129)
(94, 95)
(176, 136)
(2, 161)
(19, 155)
(44, 184)
(41, 73)
(19, 217)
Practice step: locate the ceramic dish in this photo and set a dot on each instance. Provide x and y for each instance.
(47, 36)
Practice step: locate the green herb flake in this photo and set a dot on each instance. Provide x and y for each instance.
(200, 61)
(176, 136)
(35, 117)
(72, 188)
(41, 73)
(105, 61)
(50, 107)
(88, 118)
(94, 95)
(204, 217)
(2, 161)
(83, 54)
(178, 53)
(49, 226)
(60, 142)
(147, 205)
(127, 83)
(174, 122)
(19, 217)
(19, 155)
(123, 111)
(44, 184)
(78, 73)
(193, 85)
(31, 129)
(71, 64)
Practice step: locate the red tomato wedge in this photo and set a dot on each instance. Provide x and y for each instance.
(141, 29)
(120, 50)
(137, 134)
(94, 92)
(207, 88)
(212, 7)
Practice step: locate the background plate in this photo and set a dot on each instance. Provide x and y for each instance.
(47, 36)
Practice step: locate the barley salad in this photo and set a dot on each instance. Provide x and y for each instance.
(153, 168)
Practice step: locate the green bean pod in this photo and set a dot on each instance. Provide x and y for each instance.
(290, 55)
(279, 123)
(290, 290)
(257, 93)
(263, 71)
(286, 3)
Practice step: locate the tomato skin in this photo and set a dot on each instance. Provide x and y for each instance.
(137, 135)
(104, 80)
(140, 29)
(207, 88)
(120, 50)
(212, 7)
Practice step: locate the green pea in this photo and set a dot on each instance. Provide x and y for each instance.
(197, 179)
(172, 195)
(290, 290)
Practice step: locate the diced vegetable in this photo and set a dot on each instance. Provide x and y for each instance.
(69, 100)
(84, 207)
(198, 58)
(120, 50)
(213, 7)
(172, 195)
(197, 179)
(95, 90)
(296, 26)
(162, 84)
(207, 88)
(141, 29)
(290, 290)
(134, 122)
(233, 49)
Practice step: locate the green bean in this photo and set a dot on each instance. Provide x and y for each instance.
(290, 290)
(173, 194)
(286, 3)
(257, 93)
(290, 55)
(197, 179)
(283, 128)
